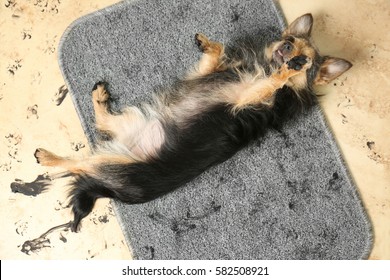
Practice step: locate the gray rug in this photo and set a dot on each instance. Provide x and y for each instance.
(287, 196)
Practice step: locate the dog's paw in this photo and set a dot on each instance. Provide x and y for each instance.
(99, 84)
(202, 42)
(44, 157)
(100, 93)
(37, 154)
(207, 46)
(299, 63)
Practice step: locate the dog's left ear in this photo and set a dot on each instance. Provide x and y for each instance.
(301, 27)
(330, 69)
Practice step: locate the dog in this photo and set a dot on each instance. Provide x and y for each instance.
(230, 98)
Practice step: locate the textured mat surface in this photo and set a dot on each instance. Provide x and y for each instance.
(287, 196)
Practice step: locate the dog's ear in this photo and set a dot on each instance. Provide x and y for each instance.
(330, 69)
(301, 27)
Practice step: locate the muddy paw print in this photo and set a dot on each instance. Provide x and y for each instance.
(77, 146)
(63, 238)
(102, 219)
(21, 227)
(34, 188)
(48, 6)
(13, 153)
(43, 241)
(32, 111)
(12, 141)
(35, 245)
(36, 78)
(26, 35)
(61, 205)
(50, 48)
(10, 3)
(60, 95)
(14, 67)
(14, 138)
(6, 166)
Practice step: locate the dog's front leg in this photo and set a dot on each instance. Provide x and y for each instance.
(262, 91)
(212, 59)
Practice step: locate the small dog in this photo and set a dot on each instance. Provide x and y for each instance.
(232, 97)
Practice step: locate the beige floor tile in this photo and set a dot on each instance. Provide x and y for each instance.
(357, 107)
(30, 79)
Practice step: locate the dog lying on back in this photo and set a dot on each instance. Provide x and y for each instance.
(231, 98)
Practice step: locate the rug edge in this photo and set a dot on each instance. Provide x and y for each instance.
(282, 24)
(75, 102)
(60, 59)
(351, 182)
(339, 155)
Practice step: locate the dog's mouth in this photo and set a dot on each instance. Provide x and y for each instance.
(278, 57)
(283, 52)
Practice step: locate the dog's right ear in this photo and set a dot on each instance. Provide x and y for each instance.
(330, 69)
(301, 27)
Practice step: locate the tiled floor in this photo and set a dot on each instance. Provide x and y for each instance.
(357, 107)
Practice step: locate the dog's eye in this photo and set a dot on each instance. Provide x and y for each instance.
(287, 46)
(290, 39)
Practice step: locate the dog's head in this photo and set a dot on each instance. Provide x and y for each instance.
(296, 41)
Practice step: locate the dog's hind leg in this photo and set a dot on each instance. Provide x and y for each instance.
(212, 59)
(88, 184)
(124, 126)
(79, 166)
(100, 97)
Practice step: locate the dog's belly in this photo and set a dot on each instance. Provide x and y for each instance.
(149, 140)
(138, 134)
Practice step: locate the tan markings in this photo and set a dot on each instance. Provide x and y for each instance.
(115, 125)
(212, 59)
(100, 98)
(302, 47)
(260, 92)
(140, 135)
(318, 81)
(263, 90)
(298, 82)
(47, 158)
(76, 166)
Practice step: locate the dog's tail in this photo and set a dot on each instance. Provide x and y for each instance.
(131, 183)
(85, 190)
